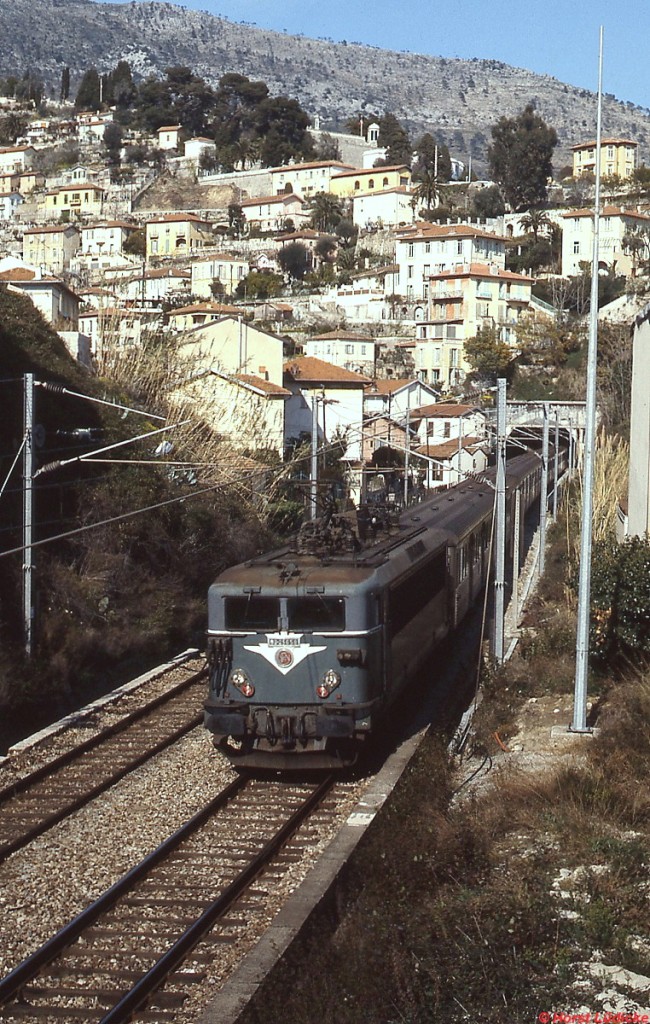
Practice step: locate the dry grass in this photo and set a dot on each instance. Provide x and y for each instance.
(609, 485)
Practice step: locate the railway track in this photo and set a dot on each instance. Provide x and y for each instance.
(141, 948)
(29, 806)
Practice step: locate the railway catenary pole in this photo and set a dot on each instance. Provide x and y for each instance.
(500, 533)
(556, 464)
(543, 496)
(28, 512)
(313, 483)
(579, 722)
(516, 544)
(407, 451)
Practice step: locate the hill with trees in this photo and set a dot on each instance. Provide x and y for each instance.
(457, 98)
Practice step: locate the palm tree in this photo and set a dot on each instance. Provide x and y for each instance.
(427, 190)
(326, 211)
(534, 220)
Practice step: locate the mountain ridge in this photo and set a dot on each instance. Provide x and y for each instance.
(459, 99)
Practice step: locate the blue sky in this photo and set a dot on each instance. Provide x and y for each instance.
(555, 37)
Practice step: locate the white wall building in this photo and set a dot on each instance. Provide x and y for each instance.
(427, 249)
(614, 224)
(338, 394)
(388, 207)
(228, 270)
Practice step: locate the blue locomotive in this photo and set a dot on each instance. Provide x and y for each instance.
(310, 645)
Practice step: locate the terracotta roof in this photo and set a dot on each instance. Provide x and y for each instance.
(259, 384)
(206, 307)
(448, 448)
(272, 199)
(317, 371)
(424, 231)
(54, 230)
(342, 335)
(371, 170)
(18, 274)
(442, 410)
(153, 275)
(605, 142)
(74, 186)
(170, 218)
(607, 211)
(226, 257)
(389, 385)
(170, 128)
(479, 270)
(314, 163)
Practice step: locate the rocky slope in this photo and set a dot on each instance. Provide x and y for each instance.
(459, 98)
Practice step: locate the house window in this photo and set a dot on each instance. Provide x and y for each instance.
(453, 353)
(385, 182)
(363, 350)
(411, 249)
(427, 246)
(451, 333)
(459, 248)
(371, 183)
(357, 185)
(446, 430)
(427, 270)
(349, 349)
(576, 247)
(409, 270)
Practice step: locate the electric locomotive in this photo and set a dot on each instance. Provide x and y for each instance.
(310, 645)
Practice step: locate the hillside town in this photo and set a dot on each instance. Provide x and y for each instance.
(363, 294)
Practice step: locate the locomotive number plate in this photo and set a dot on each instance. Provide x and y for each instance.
(284, 650)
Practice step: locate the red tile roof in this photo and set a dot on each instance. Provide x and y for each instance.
(317, 371)
(267, 386)
(448, 448)
(442, 410)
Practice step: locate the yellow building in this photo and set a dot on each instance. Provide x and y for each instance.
(617, 156)
(73, 202)
(365, 179)
(178, 234)
(306, 179)
(461, 301)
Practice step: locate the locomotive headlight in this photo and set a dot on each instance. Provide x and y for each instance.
(329, 682)
(240, 680)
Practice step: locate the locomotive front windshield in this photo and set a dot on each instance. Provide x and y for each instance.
(307, 613)
(252, 612)
(296, 614)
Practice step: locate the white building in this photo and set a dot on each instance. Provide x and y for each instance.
(271, 213)
(306, 179)
(105, 239)
(223, 268)
(344, 348)
(338, 395)
(615, 223)
(426, 249)
(386, 207)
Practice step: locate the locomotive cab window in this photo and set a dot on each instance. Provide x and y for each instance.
(315, 613)
(252, 612)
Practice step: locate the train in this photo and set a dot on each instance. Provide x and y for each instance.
(310, 646)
